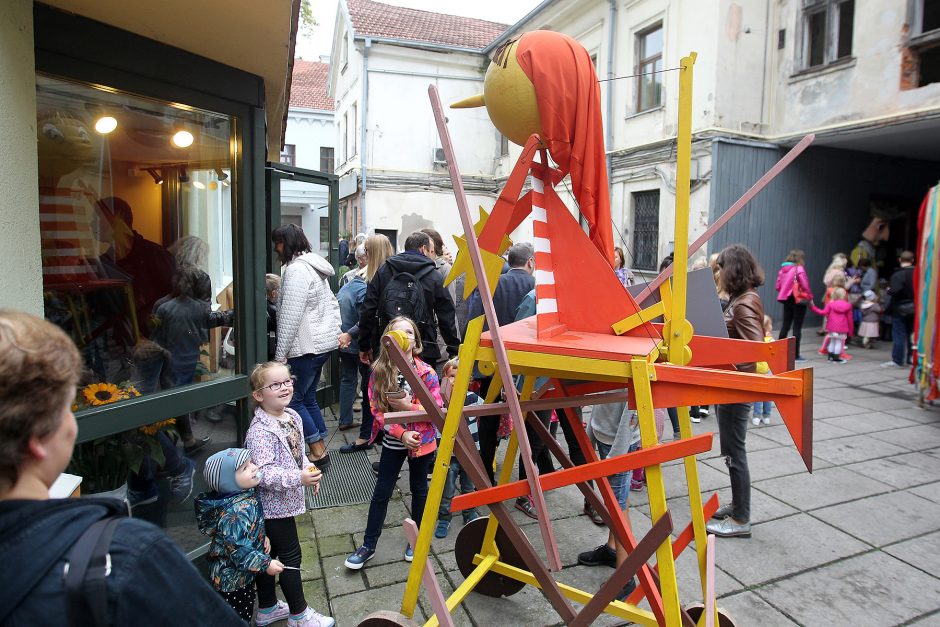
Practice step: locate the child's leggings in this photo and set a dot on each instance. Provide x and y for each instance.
(285, 546)
(836, 343)
(242, 601)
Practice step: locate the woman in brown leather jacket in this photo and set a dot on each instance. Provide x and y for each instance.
(744, 317)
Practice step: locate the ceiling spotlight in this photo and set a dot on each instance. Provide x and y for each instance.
(156, 176)
(184, 177)
(220, 174)
(105, 124)
(183, 139)
(199, 185)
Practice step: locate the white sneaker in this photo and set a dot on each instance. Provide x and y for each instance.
(695, 420)
(891, 364)
(280, 612)
(311, 618)
(703, 412)
(765, 420)
(755, 420)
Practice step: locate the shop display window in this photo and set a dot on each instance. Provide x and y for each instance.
(135, 207)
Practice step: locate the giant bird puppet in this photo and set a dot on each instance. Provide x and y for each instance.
(594, 341)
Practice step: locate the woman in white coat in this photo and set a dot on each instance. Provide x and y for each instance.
(308, 328)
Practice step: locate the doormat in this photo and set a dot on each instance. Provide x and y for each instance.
(348, 480)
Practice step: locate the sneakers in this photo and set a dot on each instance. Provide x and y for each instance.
(143, 497)
(375, 468)
(409, 553)
(799, 359)
(196, 446)
(278, 612)
(524, 505)
(353, 448)
(891, 364)
(636, 485)
(470, 515)
(627, 590)
(728, 528)
(838, 360)
(310, 618)
(443, 528)
(695, 420)
(591, 513)
(755, 420)
(601, 556)
(765, 419)
(703, 412)
(181, 485)
(358, 559)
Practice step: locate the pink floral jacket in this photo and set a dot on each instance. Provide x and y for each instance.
(280, 490)
(425, 429)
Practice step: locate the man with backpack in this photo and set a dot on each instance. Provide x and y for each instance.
(901, 308)
(408, 284)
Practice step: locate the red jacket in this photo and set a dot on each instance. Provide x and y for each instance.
(839, 318)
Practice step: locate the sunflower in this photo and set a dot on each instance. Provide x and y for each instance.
(153, 429)
(101, 393)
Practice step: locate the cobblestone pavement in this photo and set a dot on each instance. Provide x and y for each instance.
(855, 543)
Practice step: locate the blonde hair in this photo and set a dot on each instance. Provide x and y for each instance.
(450, 364)
(379, 249)
(839, 294)
(384, 372)
(272, 282)
(839, 280)
(257, 376)
(39, 368)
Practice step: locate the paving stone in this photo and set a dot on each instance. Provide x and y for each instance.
(901, 471)
(339, 579)
(315, 594)
(855, 448)
(756, 440)
(690, 583)
(863, 423)
(822, 430)
(933, 620)
(378, 575)
(390, 548)
(930, 491)
(925, 416)
(884, 519)
(336, 545)
(340, 520)
(709, 479)
(919, 438)
(783, 546)
(922, 552)
(824, 487)
(832, 409)
(527, 607)
(872, 589)
(776, 462)
(763, 508)
(747, 608)
(310, 562)
(881, 403)
(353, 608)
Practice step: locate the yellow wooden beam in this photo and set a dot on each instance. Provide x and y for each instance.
(641, 317)
(465, 588)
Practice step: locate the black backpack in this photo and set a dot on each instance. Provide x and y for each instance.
(404, 296)
(88, 565)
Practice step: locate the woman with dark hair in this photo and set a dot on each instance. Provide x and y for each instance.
(744, 317)
(308, 328)
(793, 274)
(620, 267)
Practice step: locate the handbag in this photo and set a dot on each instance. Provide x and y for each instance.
(799, 294)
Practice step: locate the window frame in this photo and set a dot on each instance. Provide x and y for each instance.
(642, 63)
(831, 11)
(289, 151)
(330, 159)
(638, 250)
(76, 48)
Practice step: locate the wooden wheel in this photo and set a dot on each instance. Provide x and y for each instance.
(385, 618)
(724, 619)
(469, 542)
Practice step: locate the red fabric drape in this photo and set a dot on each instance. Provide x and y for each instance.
(569, 101)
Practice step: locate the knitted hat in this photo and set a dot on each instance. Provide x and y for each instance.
(869, 295)
(220, 469)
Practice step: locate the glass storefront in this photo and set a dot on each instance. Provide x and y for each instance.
(135, 218)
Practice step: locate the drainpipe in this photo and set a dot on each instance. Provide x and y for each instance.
(363, 143)
(611, 34)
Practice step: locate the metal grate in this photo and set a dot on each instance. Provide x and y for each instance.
(646, 230)
(349, 480)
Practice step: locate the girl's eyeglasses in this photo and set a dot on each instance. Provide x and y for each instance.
(277, 385)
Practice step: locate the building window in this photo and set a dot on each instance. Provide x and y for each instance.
(646, 229)
(343, 146)
(503, 145)
(352, 152)
(827, 31)
(326, 159)
(649, 93)
(920, 60)
(289, 154)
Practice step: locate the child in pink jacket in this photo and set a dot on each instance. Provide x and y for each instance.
(839, 323)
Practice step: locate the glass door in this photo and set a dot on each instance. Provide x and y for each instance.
(309, 199)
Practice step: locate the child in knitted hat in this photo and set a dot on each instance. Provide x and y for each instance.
(231, 516)
(870, 330)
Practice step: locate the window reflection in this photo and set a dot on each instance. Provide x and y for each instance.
(135, 219)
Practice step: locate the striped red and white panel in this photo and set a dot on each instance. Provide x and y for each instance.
(546, 307)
